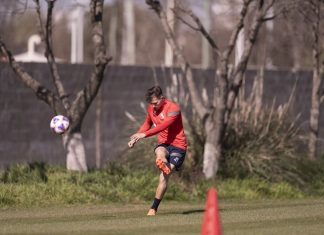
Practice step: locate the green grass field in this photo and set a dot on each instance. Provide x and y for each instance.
(238, 217)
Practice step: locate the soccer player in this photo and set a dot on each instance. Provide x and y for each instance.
(163, 119)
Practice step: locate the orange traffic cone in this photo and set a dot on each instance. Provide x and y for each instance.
(212, 222)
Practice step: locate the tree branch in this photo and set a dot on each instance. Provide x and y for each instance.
(47, 39)
(200, 28)
(41, 92)
(239, 26)
(39, 16)
(241, 66)
(89, 92)
(186, 23)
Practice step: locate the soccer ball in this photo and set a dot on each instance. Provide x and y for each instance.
(59, 124)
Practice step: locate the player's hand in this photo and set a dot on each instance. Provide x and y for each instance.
(136, 137)
(131, 143)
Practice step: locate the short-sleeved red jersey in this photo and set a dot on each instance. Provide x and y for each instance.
(167, 123)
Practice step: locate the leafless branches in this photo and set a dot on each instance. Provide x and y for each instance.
(41, 92)
(199, 26)
(88, 93)
(46, 35)
(10, 7)
(236, 31)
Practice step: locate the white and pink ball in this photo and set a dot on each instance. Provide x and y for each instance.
(60, 124)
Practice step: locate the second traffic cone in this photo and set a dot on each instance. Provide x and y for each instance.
(212, 221)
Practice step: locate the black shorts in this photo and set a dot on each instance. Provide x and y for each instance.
(176, 155)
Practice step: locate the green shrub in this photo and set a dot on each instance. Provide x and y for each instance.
(264, 148)
(120, 183)
(22, 173)
(252, 188)
(285, 190)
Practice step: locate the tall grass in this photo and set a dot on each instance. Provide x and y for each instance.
(122, 184)
(20, 185)
(264, 142)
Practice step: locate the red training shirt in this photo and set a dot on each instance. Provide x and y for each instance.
(167, 122)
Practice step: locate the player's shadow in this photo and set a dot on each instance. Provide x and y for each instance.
(193, 211)
(187, 212)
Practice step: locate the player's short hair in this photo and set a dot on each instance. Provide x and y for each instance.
(153, 91)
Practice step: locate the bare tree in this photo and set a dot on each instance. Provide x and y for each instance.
(59, 100)
(215, 116)
(312, 12)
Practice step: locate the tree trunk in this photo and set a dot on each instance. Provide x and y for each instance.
(314, 116)
(215, 127)
(314, 121)
(316, 96)
(75, 152)
(98, 128)
(212, 150)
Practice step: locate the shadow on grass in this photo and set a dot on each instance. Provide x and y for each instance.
(193, 212)
(188, 212)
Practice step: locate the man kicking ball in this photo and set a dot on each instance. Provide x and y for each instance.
(164, 117)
